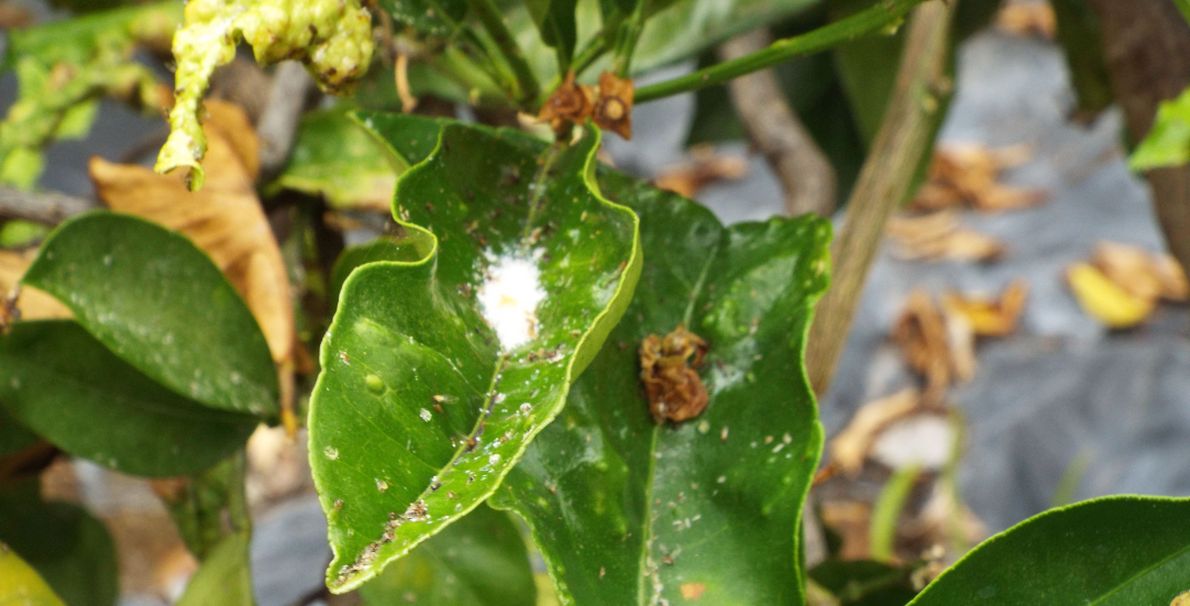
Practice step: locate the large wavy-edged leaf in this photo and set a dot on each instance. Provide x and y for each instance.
(20, 585)
(1121, 550)
(422, 407)
(479, 561)
(160, 304)
(627, 511)
(57, 380)
(70, 549)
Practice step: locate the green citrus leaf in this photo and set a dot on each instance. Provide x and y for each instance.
(70, 549)
(333, 157)
(58, 381)
(184, 325)
(555, 20)
(1114, 550)
(437, 374)
(437, 18)
(1168, 141)
(224, 578)
(20, 585)
(627, 511)
(479, 561)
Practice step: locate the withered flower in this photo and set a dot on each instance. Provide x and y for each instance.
(569, 104)
(668, 370)
(613, 108)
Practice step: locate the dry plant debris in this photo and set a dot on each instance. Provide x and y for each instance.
(849, 449)
(937, 345)
(990, 317)
(704, 167)
(609, 105)
(1121, 285)
(851, 522)
(1028, 19)
(668, 369)
(938, 236)
(31, 304)
(968, 175)
(225, 220)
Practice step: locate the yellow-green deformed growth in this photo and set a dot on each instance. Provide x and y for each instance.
(333, 38)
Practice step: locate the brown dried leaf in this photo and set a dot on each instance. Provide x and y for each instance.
(224, 219)
(668, 369)
(704, 168)
(32, 304)
(969, 174)
(1032, 19)
(938, 236)
(851, 521)
(938, 346)
(990, 317)
(613, 107)
(1143, 274)
(850, 447)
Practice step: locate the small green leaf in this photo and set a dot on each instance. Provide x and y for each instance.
(1168, 142)
(422, 406)
(555, 20)
(1114, 550)
(70, 549)
(224, 578)
(626, 511)
(479, 561)
(184, 325)
(333, 157)
(20, 585)
(434, 18)
(57, 380)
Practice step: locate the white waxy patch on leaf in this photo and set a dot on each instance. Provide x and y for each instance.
(509, 297)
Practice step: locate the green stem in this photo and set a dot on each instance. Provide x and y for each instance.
(493, 22)
(629, 34)
(878, 17)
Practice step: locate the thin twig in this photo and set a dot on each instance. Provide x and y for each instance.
(806, 176)
(878, 17)
(45, 207)
(884, 181)
(278, 122)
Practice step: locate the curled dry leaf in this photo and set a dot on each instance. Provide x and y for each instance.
(704, 168)
(1143, 274)
(32, 304)
(850, 447)
(1107, 301)
(967, 174)
(1033, 19)
(938, 236)
(850, 521)
(938, 345)
(990, 317)
(668, 369)
(225, 220)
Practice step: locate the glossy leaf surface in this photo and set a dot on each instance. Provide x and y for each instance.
(421, 408)
(427, 17)
(57, 380)
(1108, 551)
(185, 328)
(479, 561)
(627, 511)
(67, 547)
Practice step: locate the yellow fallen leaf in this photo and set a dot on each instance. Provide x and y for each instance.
(1104, 299)
(224, 219)
(994, 317)
(33, 304)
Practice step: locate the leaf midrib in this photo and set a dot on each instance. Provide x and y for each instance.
(644, 597)
(1154, 566)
